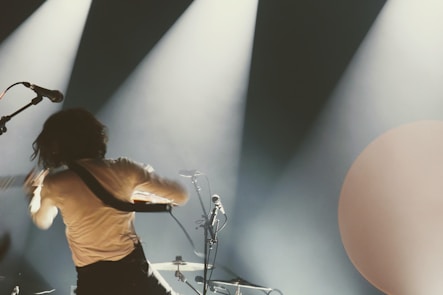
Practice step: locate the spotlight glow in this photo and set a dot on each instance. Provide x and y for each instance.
(189, 93)
(182, 108)
(41, 51)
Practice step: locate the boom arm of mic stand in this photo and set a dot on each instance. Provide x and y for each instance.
(5, 119)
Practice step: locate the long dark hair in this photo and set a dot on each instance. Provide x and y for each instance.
(69, 135)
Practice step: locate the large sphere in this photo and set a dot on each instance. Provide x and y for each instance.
(391, 210)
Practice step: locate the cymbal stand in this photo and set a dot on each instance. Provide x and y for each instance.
(181, 277)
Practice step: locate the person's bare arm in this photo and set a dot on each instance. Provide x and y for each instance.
(43, 211)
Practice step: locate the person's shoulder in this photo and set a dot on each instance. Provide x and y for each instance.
(120, 161)
(105, 161)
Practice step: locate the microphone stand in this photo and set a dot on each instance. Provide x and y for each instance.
(7, 118)
(207, 227)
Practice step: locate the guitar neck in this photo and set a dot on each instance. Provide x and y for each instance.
(12, 181)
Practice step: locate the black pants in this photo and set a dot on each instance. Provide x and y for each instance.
(128, 276)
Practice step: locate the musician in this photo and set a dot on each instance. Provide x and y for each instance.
(105, 248)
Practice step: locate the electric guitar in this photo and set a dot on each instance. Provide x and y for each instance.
(12, 181)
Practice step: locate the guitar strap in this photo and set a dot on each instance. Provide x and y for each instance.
(107, 198)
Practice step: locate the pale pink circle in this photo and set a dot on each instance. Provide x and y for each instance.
(390, 211)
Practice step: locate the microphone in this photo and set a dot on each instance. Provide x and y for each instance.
(189, 173)
(218, 204)
(213, 217)
(53, 95)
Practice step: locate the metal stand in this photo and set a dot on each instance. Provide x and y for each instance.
(207, 231)
(182, 278)
(7, 118)
(210, 226)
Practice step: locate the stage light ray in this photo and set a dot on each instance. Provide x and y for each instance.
(189, 92)
(395, 76)
(40, 51)
(393, 79)
(183, 106)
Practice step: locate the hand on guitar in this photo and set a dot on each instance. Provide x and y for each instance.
(144, 197)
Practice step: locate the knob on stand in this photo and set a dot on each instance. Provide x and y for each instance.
(183, 279)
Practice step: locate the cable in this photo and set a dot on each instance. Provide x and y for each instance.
(224, 223)
(4, 92)
(186, 234)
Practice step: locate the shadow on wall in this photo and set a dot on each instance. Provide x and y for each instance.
(15, 14)
(115, 40)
